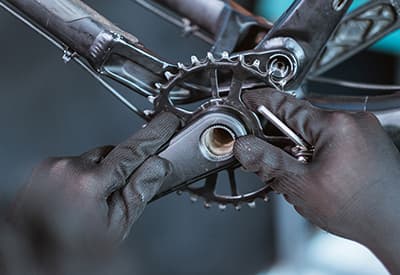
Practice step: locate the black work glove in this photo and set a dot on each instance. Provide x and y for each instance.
(107, 186)
(351, 188)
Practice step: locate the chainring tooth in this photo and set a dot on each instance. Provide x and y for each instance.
(237, 66)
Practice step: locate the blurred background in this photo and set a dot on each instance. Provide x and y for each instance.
(48, 108)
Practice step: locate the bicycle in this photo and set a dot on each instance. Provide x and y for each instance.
(247, 52)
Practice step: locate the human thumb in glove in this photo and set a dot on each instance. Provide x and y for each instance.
(109, 186)
(351, 188)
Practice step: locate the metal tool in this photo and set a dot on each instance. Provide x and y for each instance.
(302, 151)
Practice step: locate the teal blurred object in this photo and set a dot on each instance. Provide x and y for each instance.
(272, 9)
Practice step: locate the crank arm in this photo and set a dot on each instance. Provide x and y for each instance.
(310, 23)
(202, 148)
(358, 31)
(205, 146)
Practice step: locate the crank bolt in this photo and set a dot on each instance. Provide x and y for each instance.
(217, 143)
(280, 67)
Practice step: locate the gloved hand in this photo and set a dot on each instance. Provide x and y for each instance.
(107, 186)
(351, 188)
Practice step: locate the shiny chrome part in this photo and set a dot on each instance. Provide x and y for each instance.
(225, 55)
(207, 205)
(271, 117)
(252, 204)
(210, 57)
(281, 69)
(195, 60)
(68, 56)
(193, 198)
(304, 155)
(302, 151)
(168, 75)
(222, 207)
(216, 143)
(278, 62)
(287, 44)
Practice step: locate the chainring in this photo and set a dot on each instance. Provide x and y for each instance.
(240, 74)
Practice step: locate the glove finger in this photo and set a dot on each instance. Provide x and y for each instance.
(148, 179)
(98, 154)
(292, 192)
(129, 155)
(117, 223)
(141, 188)
(299, 115)
(265, 159)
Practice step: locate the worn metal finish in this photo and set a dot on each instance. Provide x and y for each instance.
(302, 151)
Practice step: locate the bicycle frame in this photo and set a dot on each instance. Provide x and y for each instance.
(284, 54)
(84, 33)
